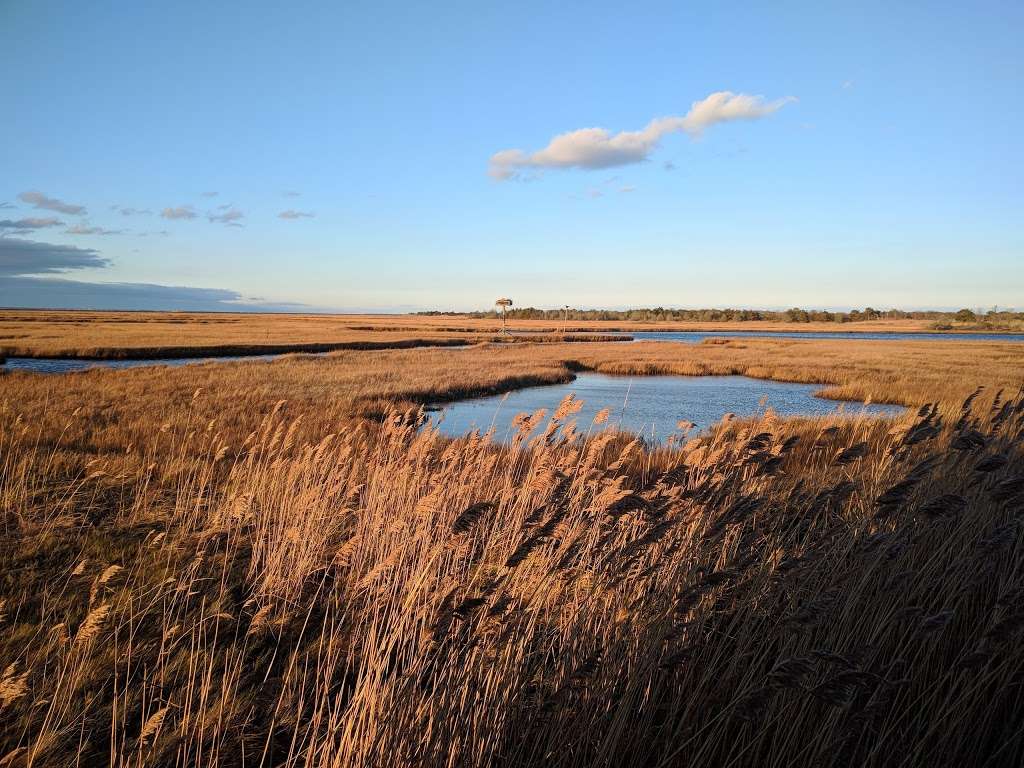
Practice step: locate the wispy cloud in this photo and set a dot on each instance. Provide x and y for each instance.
(28, 257)
(4, 205)
(82, 229)
(594, 148)
(30, 224)
(627, 189)
(39, 200)
(291, 193)
(209, 194)
(181, 212)
(290, 214)
(230, 216)
(128, 211)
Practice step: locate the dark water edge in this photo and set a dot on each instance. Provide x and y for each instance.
(70, 365)
(651, 406)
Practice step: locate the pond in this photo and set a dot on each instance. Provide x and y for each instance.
(648, 405)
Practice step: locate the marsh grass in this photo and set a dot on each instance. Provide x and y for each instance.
(135, 335)
(187, 581)
(324, 590)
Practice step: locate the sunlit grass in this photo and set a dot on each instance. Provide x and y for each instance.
(194, 575)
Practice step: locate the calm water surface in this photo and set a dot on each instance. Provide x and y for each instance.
(67, 365)
(648, 405)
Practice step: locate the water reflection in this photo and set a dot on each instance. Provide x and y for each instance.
(649, 405)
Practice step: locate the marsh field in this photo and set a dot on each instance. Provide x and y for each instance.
(127, 335)
(284, 563)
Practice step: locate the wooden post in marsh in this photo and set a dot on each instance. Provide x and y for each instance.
(503, 303)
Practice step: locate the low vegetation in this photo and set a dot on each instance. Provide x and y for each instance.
(275, 564)
(134, 335)
(161, 335)
(993, 319)
(120, 407)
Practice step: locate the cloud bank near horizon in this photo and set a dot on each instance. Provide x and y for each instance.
(29, 257)
(596, 148)
(23, 292)
(27, 280)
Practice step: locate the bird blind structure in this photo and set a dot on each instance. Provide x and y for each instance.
(503, 303)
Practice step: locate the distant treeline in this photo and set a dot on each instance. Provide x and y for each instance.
(794, 315)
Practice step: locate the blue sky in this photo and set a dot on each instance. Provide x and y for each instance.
(876, 159)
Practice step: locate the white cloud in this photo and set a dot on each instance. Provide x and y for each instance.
(39, 200)
(594, 148)
(290, 214)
